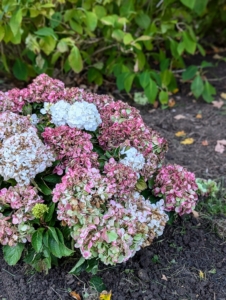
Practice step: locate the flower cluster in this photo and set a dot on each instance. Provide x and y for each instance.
(121, 231)
(105, 159)
(16, 227)
(178, 188)
(23, 156)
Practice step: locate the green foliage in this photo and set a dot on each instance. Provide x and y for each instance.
(139, 43)
(200, 86)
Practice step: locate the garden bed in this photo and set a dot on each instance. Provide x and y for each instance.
(189, 261)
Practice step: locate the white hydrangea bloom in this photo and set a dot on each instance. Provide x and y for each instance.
(133, 159)
(34, 119)
(156, 224)
(23, 156)
(46, 108)
(59, 112)
(84, 115)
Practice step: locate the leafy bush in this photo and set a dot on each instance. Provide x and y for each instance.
(82, 174)
(139, 43)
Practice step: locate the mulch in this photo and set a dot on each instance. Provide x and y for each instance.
(189, 261)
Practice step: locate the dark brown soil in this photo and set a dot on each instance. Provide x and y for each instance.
(189, 261)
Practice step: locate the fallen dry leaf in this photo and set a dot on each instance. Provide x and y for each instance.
(198, 116)
(155, 104)
(188, 141)
(201, 274)
(205, 143)
(178, 117)
(218, 104)
(175, 91)
(220, 147)
(180, 133)
(164, 277)
(105, 295)
(75, 295)
(217, 56)
(171, 102)
(223, 96)
(195, 214)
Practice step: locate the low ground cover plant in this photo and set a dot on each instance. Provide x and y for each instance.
(82, 175)
(129, 42)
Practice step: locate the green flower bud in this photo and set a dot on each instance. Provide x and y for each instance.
(39, 209)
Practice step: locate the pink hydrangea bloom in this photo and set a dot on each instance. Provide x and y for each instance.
(121, 179)
(178, 188)
(72, 146)
(11, 100)
(43, 89)
(80, 195)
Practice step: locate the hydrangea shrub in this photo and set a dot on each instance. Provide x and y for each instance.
(80, 172)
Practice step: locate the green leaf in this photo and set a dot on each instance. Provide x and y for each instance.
(100, 11)
(2, 32)
(97, 283)
(118, 34)
(75, 60)
(143, 20)
(65, 251)
(189, 44)
(112, 236)
(20, 70)
(36, 239)
(181, 48)
(200, 6)
(141, 185)
(109, 20)
(163, 97)
(46, 31)
(189, 73)
(76, 27)
(92, 266)
(197, 86)
(127, 39)
(12, 254)
(79, 263)
(144, 79)
(55, 248)
(49, 215)
(47, 44)
(201, 50)
(166, 77)
(128, 82)
(53, 178)
(91, 20)
(173, 48)
(55, 19)
(15, 21)
(43, 187)
(53, 233)
(208, 91)
(151, 91)
(189, 3)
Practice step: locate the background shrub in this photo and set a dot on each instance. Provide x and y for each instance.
(137, 42)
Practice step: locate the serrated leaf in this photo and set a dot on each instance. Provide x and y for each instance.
(12, 254)
(91, 20)
(98, 283)
(53, 233)
(55, 248)
(143, 20)
(127, 39)
(20, 70)
(53, 178)
(75, 60)
(15, 21)
(36, 239)
(49, 214)
(163, 97)
(46, 31)
(208, 92)
(151, 91)
(189, 73)
(197, 86)
(128, 82)
(189, 44)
